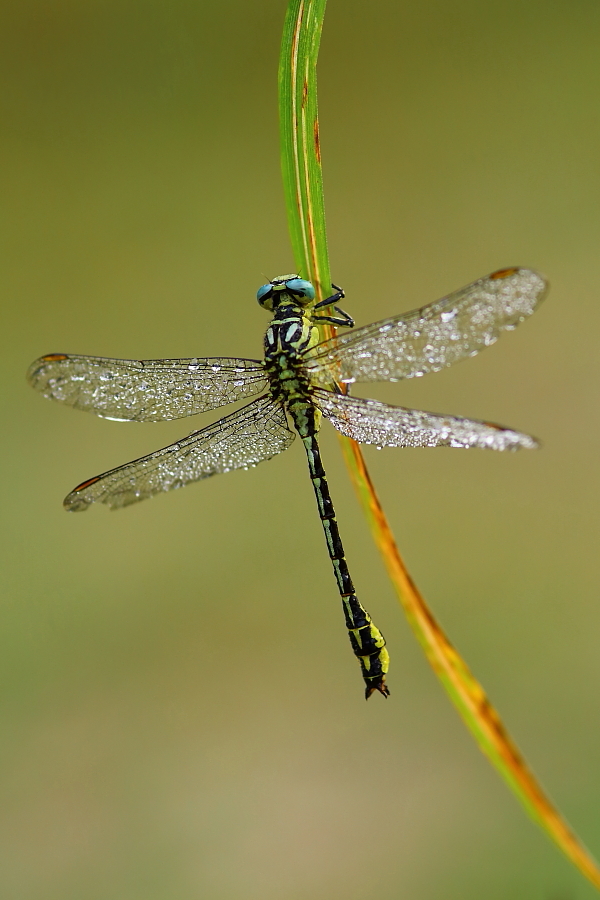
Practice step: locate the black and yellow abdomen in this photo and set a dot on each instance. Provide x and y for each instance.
(288, 337)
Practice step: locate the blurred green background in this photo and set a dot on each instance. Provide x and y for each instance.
(182, 715)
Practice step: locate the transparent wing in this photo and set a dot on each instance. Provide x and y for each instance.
(371, 422)
(250, 435)
(145, 390)
(428, 339)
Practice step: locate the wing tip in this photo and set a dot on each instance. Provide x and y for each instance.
(523, 272)
(72, 504)
(76, 501)
(36, 369)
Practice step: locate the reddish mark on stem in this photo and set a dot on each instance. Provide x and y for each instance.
(304, 93)
(317, 141)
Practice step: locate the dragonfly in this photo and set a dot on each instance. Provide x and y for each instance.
(300, 380)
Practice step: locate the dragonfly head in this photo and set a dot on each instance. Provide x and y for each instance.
(285, 287)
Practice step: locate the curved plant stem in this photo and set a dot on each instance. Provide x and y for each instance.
(303, 187)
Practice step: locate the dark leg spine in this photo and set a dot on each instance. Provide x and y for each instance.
(367, 641)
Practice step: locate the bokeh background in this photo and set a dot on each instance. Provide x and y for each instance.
(182, 716)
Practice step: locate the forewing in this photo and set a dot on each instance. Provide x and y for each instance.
(371, 422)
(252, 434)
(145, 390)
(428, 339)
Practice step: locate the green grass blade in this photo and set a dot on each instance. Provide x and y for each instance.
(303, 187)
(300, 148)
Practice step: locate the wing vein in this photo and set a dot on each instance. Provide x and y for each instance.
(372, 422)
(433, 337)
(248, 436)
(146, 390)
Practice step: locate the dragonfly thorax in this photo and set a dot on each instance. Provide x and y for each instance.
(289, 335)
(285, 288)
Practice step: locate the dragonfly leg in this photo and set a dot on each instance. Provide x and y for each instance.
(329, 301)
(368, 643)
(343, 320)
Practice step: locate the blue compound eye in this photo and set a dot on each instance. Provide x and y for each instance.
(301, 288)
(263, 291)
